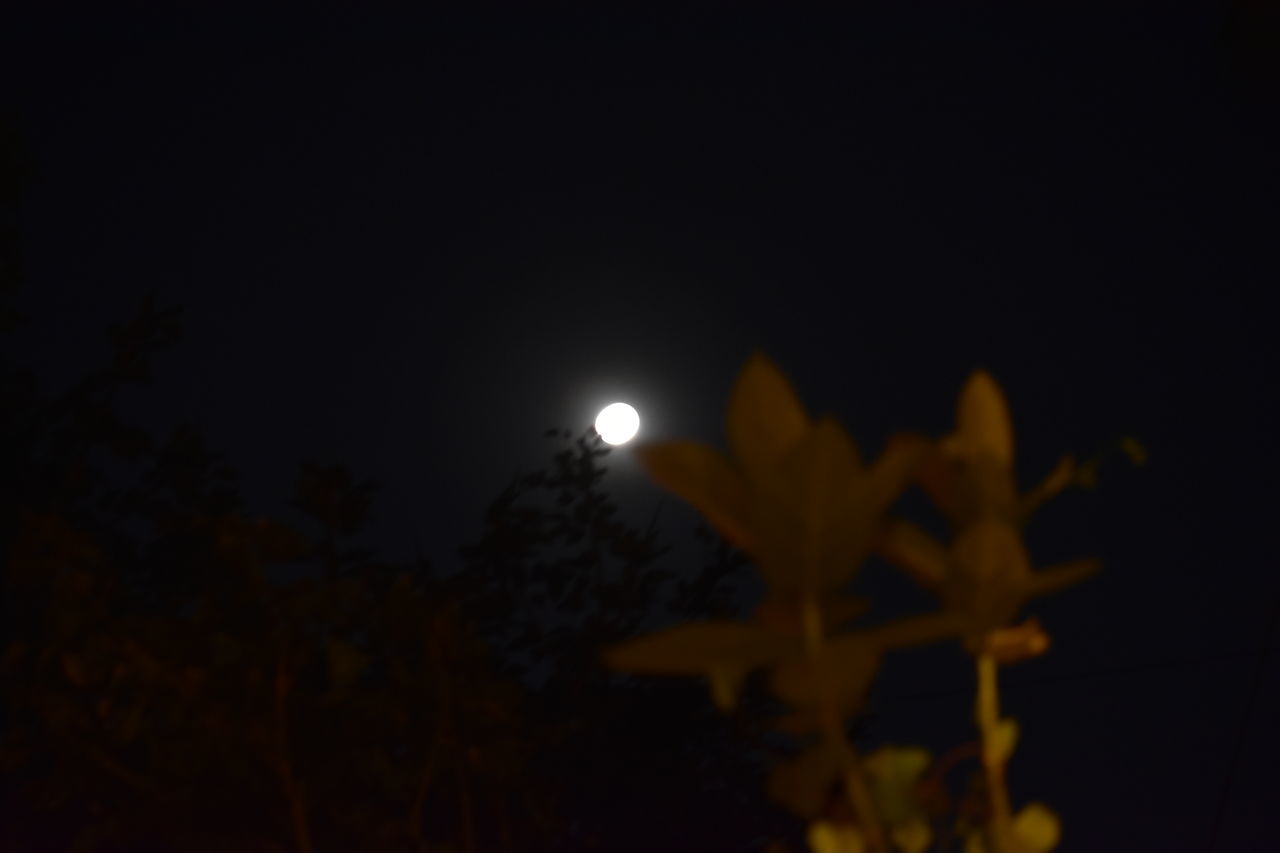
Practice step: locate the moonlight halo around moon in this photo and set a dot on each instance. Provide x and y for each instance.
(618, 423)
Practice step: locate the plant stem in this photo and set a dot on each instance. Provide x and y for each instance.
(855, 780)
(988, 718)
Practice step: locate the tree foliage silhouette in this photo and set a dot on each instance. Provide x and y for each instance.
(181, 673)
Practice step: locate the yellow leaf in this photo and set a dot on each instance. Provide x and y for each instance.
(982, 420)
(785, 615)
(699, 648)
(914, 630)
(894, 771)
(1037, 828)
(827, 837)
(1134, 450)
(1062, 476)
(1003, 739)
(912, 837)
(704, 478)
(989, 577)
(841, 672)
(1011, 645)
(810, 513)
(1061, 576)
(765, 417)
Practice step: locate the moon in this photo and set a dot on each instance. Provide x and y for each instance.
(618, 423)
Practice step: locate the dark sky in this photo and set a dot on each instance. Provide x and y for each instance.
(410, 241)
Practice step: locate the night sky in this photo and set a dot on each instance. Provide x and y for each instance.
(411, 241)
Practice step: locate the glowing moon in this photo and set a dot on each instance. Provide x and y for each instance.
(618, 423)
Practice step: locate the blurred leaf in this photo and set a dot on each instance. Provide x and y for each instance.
(786, 615)
(828, 837)
(915, 836)
(1003, 739)
(765, 418)
(894, 772)
(1062, 476)
(707, 480)
(698, 648)
(1037, 828)
(1136, 452)
(983, 427)
(1011, 645)
(842, 671)
(1061, 576)
(803, 783)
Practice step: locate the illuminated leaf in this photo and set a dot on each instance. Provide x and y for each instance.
(786, 616)
(939, 476)
(1134, 450)
(913, 630)
(704, 478)
(1062, 476)
(810, 516)
(1003, 739)
(1037, 828)
(982, 421)
(1011, 645)
(827, 837)
(841, 673)
(915, 836)
(894, 772)
(1061, 576)
(765, 418)
(820, 469)
(837, 611)
(988, 581)
(699, 648)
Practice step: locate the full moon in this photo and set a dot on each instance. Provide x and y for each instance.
(618, 423)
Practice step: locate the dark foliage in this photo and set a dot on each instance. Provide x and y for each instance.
(180, 673)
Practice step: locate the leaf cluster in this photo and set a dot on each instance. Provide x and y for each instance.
(795, 495)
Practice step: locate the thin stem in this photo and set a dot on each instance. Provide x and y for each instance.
(855, 780)
(993, 761)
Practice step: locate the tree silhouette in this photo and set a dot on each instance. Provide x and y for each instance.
(180, 673)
